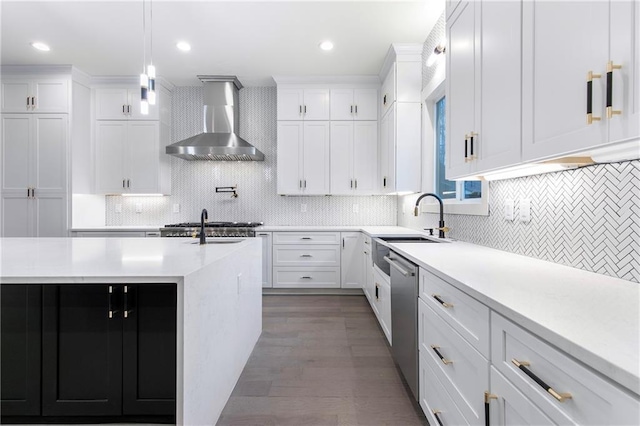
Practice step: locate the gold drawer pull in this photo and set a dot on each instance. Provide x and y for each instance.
(444, 361)
(435, 414)
(522, 365)
(442, 302)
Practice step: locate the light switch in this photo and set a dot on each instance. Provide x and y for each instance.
(118, 208)
(176, 208)
(525, 210)
(303, 208)
(356, 208)
(508, 209)
(138, 207)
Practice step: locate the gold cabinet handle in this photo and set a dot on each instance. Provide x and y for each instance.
(442, 358)
(610, 111)
(436, 415)
(590, 77)
(522, 365)
(488, 396)
(442, 302)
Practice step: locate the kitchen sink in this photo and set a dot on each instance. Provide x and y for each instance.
(409, 239)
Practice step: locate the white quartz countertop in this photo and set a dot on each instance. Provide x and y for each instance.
(593, 317)
(118, 228)
(373, 231)
(57, 260)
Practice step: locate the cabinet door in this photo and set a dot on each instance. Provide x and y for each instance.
(17, 136)
(384, 294)
(81, 351)
(316, 104)
(17, 215)
(149, 349)
(111, 138)
(351, 260)
(624, 27)
(112, 104)
(290, 104)
(267, 250)
(388, 90)
(316, 159)
(51, 95)
(342, 104)
(20, 344)
(499, 136)
(461, 89)
(142, 157)
(366, 104)
(387, 157)
(554, 82)
(16, 96)
(342, 158)
(289, 157)
(50, 214)
(512, 407)
(365, 156)
(50, 152)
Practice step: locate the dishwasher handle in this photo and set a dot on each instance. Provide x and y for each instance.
(400, 269)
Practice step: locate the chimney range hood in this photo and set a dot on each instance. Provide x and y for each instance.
(220, 141)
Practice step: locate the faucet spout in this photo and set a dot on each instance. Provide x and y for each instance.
(204, 216)
(441, 228)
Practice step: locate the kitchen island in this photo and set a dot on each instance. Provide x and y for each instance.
(217, 292)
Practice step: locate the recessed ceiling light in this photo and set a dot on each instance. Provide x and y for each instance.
(184, 46)
(326, 45)
(40, 46)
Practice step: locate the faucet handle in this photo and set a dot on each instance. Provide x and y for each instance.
(444, 229)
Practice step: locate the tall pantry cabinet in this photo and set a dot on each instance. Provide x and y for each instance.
(35, 155)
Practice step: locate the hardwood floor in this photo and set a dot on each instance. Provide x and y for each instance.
(321, 360)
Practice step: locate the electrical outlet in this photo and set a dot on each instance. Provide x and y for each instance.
(525, 210)
(303, 208)
(118, 208)
(176, 208)
(508, 209)
(138, 207)
(356, 208)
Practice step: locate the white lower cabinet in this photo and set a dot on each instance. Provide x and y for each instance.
(367, 265)
(306, 259)
(352, 272)
(382, 302)
(522, 380)
(267, 255)
(434, 399)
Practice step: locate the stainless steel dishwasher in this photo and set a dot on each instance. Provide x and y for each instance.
(404, 318)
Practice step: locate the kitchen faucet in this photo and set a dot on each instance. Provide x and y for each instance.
(204, 216)
(441, 229)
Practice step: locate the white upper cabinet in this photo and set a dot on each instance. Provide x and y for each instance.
(303, 158)
(123, 104)
(566, 106)
(354, 104)
(127, 157)
(354, 147)
(36, 95)
(303, 104)
(483, 87)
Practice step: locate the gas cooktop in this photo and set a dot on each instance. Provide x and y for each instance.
(212, 229)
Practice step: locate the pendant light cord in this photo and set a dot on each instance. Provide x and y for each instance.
(151, 29)
(144, 39)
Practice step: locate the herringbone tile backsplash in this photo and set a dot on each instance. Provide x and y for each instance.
(588, 218)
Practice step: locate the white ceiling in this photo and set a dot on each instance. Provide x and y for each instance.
(253, 40)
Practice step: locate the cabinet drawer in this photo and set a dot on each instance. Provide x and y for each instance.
(301, 255)
(463, 371)
(593, 400)
(435, 399)
(306, 238)
(466, 315)
(306, 278)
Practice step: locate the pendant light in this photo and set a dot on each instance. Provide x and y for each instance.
(148, 76)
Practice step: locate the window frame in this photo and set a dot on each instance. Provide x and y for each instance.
(475, 206)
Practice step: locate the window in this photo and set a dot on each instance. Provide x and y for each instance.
(448, 189)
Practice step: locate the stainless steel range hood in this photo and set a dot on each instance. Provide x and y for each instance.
(220, 140)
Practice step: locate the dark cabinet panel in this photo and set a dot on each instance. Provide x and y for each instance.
(20, 337)
(82, 351)
(149, 349)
